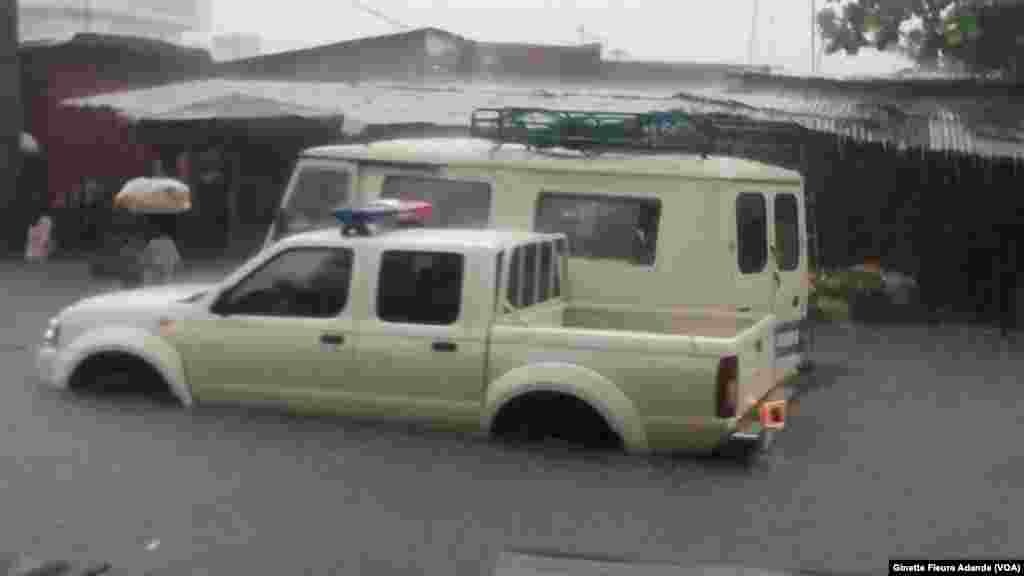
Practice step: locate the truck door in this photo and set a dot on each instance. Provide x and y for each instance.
(756, 282)
(419, 353)
(790, 267)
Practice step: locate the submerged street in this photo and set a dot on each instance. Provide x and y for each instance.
(895, 449)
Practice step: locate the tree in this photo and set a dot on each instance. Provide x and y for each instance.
(983, 36)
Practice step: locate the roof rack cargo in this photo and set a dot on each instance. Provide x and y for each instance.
(594, 131)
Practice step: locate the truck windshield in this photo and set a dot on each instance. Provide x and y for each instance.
(317, 191)
(457, 203)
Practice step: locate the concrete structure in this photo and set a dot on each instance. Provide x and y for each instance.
(167, 20)
(236, 46)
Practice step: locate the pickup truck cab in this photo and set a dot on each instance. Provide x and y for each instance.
(466, 329)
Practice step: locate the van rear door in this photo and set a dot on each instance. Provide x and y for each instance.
(788, 241)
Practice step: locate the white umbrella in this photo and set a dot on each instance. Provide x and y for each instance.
(154, 196)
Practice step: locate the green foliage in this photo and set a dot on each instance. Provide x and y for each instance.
(844, 284)
(983, 36)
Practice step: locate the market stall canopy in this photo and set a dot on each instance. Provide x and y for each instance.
(360, 105)
(154, 196)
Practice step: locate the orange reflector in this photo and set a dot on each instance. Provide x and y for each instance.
(773, 414)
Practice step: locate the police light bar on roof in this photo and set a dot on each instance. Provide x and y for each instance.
(386, 212)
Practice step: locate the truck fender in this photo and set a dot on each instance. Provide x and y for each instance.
(583, 383)
(151, 348)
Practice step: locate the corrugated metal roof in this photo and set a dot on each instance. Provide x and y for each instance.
(360, 104)
(930, 123)
(923, 123)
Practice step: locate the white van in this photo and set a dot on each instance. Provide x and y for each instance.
(661, 229)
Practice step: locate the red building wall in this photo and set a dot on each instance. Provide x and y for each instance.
(83, 143)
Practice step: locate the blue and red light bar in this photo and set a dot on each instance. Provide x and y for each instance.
(383, 212)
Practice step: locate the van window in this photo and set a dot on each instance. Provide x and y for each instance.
(419, 287)
(561, 250)
(603, 227)
(752, 232)
(559, 270)
(457, 203)
(787, 231)
(317, 191)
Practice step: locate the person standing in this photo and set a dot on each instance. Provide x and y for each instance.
(160, 259)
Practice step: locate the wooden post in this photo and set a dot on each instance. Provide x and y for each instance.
(10, 126)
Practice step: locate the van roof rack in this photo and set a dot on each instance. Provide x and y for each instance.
(594, 131)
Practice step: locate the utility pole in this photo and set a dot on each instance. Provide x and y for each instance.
(814, 29)
(752, 41)
(10, 123)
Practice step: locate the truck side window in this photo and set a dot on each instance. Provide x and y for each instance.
(499, 264)
(787, 231)
(457, 203)
(529, 275)
(317, 191)
(547, 272)
(514, 275)
(420, 287)
(752, 232)
(602, 227)
(304, 282)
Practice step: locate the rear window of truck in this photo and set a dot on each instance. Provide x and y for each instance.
(535, 274)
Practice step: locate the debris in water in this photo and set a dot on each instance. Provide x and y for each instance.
(152, 545)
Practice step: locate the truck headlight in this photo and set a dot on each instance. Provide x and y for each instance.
(52, 335)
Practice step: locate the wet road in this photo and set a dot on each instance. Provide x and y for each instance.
(898, 448)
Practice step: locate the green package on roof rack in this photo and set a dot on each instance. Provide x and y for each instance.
(591, 130)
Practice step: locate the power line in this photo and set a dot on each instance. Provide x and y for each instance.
(380, 15)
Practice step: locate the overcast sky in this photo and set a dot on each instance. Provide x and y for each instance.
(695, 30)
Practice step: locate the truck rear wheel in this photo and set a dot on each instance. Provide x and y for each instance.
(542, 417)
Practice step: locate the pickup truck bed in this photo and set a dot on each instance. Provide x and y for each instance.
(664, 361)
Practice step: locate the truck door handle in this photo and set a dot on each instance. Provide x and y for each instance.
(332, 339)
(443, 346)
(743, 309)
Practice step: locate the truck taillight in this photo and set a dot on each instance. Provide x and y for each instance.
(727, 391)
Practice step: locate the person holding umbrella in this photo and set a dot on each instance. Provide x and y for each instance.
(158, 200)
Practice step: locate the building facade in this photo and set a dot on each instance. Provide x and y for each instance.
(167, 20)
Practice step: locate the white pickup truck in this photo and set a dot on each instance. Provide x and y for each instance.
(470, 329)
